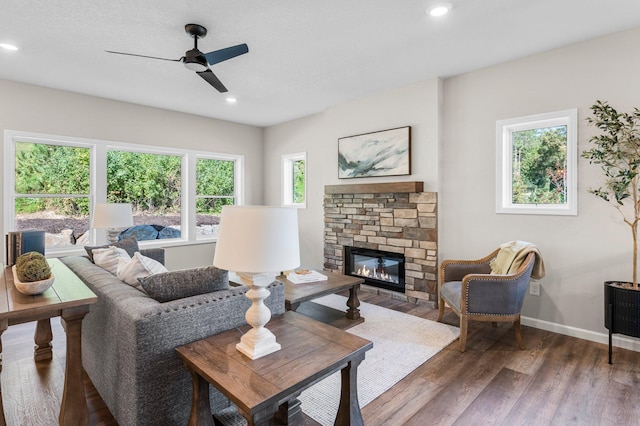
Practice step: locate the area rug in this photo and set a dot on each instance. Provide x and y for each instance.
(401, 343)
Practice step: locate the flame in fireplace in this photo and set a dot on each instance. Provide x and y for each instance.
(375, 273)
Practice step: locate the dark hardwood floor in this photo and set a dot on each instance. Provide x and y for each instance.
(557, 380)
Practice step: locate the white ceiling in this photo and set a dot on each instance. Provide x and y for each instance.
(304, 55)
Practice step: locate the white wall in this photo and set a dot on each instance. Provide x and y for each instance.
(416, 105)
(580, 251)
(36, 109)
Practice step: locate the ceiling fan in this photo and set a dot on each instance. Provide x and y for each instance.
(199, 62)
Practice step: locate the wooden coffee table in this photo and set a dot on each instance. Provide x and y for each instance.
(270, 385)
(295, 294)
(67, 298)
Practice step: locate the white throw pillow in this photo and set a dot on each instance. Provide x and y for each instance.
(138, 267)
(108, 258)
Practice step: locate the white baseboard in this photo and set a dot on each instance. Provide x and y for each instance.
(619, 341)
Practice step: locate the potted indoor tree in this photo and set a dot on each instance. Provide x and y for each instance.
(617, 150)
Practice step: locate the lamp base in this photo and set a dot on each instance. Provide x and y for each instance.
(112, 235)
(255, 347)
(258, 341)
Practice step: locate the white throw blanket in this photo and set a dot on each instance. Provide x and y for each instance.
(511, 256)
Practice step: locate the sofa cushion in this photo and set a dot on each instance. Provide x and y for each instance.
(138, 266)
(107, 258)
(174, 285)
(130, 245)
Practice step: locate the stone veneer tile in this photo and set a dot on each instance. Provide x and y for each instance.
(405, 213)
(416, 253)
(386, 221)
(423, 197)
(399, 242)
(406, 223)
(431, 245)
(428, 222)
(426, 208)
(377, 240)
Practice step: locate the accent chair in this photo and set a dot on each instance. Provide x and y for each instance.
(475, 293)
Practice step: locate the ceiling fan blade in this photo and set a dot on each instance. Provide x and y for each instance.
(221, 55)
(211, 78)
(144, 56)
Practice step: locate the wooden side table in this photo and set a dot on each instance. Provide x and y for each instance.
(270, 385)
(67, 298)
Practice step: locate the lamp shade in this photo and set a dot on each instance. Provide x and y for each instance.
(112, 215)
(257, 239)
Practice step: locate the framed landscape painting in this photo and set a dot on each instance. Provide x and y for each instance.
(384, 153)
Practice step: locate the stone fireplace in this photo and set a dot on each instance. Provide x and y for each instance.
(393, 218)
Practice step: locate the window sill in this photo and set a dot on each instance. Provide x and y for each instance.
(79, 250)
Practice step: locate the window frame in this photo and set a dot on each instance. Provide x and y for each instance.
(98, 180)
(287, 161)
(504, 163)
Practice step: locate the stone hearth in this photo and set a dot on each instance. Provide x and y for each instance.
(396, 217)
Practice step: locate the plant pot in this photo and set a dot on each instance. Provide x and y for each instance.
(621, 311)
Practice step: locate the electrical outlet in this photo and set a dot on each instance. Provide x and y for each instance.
(534, 288)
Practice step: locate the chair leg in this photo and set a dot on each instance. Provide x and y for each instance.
(440, 310)
(463, 332)
(516, 328)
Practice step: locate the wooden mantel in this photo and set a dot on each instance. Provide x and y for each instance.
(375, 188)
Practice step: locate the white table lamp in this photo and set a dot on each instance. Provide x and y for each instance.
(112, 217)
(257, 242)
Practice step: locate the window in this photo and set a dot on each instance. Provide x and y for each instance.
(294, 180)
(53, 183)
(215, 188)
(152, 184)
(52, 189)
(537, 164)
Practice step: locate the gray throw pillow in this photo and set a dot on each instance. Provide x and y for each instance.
(130, 245)
(172, 285)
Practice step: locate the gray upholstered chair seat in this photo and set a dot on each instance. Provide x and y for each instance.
(451, 292)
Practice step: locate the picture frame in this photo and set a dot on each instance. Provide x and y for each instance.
(381, 153)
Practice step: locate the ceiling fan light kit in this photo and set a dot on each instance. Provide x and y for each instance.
(199, 62)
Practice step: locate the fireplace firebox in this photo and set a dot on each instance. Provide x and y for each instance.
(378, 268)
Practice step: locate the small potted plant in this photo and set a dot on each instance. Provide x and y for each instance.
(32, 274)
(617, 150)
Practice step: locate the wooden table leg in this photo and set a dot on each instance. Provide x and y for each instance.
(349, 410)
(353, 312)
(263, 417)
(200, 405)
(290, 413)
(42, 338)
(4, 323)
(291, 306)
(73, 410)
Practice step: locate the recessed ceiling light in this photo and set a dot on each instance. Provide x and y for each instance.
(8, 46)
(231, 100)
(439, 9)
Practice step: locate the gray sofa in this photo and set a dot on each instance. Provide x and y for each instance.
(129, 341)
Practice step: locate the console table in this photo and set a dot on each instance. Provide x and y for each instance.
(67, 298)
(295, 294)
(270, 385)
